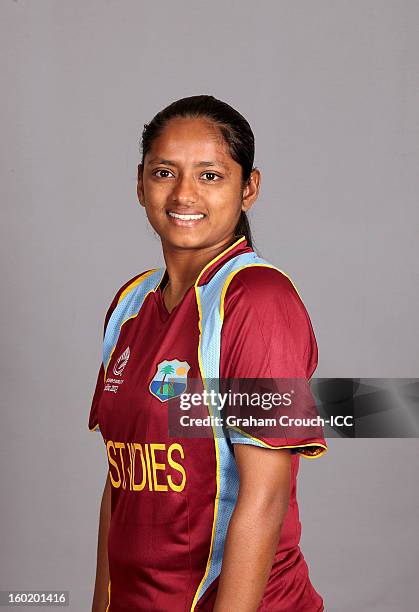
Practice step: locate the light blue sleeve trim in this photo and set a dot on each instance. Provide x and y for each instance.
(129, 306)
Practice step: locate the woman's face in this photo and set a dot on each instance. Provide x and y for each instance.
(191, 187)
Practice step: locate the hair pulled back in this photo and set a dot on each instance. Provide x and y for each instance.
(234, 128)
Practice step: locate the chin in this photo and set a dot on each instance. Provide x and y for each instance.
(184, 238)
(185, 242)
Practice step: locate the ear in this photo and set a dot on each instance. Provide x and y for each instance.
(251, 190)
(140, 185)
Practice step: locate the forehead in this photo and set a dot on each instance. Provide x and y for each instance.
(187, 139)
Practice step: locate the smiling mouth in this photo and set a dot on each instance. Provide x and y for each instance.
(185, 217)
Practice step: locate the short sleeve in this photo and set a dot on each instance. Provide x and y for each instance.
(93, 422)
(93, 416)
(267, 334)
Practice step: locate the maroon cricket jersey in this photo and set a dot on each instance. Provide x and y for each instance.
(164, 490)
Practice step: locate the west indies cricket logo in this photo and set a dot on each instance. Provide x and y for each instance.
(170, 380)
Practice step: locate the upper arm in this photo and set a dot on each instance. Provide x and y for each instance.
(93, 423)
(265, 476)
(267, 334)
(107, 489)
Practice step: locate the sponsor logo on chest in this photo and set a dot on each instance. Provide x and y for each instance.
(169, 381)
(112, 384)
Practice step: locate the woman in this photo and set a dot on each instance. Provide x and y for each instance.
(207, 523)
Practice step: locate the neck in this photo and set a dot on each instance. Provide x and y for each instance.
(184, 265)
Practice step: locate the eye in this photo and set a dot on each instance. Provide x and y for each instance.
(163, 173)
(211, 176)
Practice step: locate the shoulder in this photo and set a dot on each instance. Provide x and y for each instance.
(125, 289)
(264, 289)
(264, 278)
(264, 320)
(133, 282)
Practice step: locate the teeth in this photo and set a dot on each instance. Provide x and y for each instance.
(185, 217)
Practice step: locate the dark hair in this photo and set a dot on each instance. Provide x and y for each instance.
(234, 128)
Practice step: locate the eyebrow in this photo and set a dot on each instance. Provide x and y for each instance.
(168, 162)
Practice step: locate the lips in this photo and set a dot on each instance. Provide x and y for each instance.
(190, 216)
(185, 217)
(184, 212)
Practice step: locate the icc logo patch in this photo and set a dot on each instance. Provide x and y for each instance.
(170, 380)
(121, 362)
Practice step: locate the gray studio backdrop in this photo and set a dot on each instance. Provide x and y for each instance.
(331, 90)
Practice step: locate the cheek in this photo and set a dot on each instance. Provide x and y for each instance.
(155, 195)
(226, 201)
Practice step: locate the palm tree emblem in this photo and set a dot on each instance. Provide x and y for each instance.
(170, 379)
(167, 369)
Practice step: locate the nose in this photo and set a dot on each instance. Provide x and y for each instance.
(185, 190)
